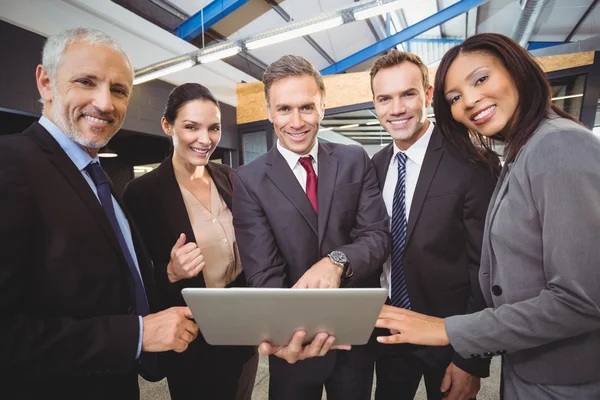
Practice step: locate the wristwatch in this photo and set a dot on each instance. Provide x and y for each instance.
(339, 259)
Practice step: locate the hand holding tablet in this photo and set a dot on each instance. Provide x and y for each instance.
(286, 319)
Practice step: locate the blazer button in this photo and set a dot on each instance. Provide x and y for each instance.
(496, 290)
(131, 310)
(501, 352)
(488, 354)
(475, 355)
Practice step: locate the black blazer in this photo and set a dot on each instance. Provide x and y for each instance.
(444, 235)
(157, 205)
(66, 293)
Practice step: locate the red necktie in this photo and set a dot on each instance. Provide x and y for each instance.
(311, 181)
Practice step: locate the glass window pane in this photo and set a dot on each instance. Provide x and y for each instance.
(567, 93)
(255, 145)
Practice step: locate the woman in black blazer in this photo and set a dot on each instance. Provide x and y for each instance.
(183, 209)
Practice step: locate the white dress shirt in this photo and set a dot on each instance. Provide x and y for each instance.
(293, 161)
(414, 160)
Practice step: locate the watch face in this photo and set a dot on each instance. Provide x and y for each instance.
(338, 257)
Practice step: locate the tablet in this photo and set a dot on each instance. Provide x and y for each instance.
(249, 316)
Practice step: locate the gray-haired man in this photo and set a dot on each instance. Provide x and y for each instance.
(76, 288)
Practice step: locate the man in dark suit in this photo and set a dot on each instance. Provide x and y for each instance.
(76, 285)
(437, 201)
(309, 215)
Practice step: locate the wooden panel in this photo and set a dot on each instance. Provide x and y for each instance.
(565, 61)
(251, 102)
(355, 88)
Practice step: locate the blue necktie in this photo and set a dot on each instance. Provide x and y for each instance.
(399, 224)
(148, 360)
(101, 181)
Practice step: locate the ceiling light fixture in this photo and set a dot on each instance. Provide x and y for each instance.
(373, 123)
(292, 31)
(219, 54)
(348, 126)
(325, 129)
(107, 152)
(164, 71)
(378, 8)
(567, 97)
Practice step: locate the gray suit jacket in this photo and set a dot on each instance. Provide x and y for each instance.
(280, 236)
(540, 268)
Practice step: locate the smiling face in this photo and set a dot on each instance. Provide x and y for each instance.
(196, 132)
(482, 95)
(401, 102)
(88, 97)
(296, 108)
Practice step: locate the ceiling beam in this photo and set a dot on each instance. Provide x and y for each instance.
(406, 34)
(207, 17)
(166, 15)
(583, 17)
(279, 10)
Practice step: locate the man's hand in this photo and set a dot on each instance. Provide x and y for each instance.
(459, 384)
(186, 260)
(170, 329)
(295, 351)
(322, 275)
(411, 327)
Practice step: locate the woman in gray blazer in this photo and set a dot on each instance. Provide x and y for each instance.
(540, 263)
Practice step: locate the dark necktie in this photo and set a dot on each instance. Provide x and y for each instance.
(101, 181)
(399, 224)
(311, 181)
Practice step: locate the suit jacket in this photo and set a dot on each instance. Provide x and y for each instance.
(279, 234)
(444, 234)
(540, 258)
(157, 205)
(69, 328)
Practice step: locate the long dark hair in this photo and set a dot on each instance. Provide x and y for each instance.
(182, 95)
(535, 97)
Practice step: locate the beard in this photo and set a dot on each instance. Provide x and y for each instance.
(72, 130)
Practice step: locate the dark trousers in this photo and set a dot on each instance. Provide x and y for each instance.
(346, 375)
(212, 372)
(399, 369)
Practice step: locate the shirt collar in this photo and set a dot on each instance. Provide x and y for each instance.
(80, 158)
(292, 158)
(416, 152)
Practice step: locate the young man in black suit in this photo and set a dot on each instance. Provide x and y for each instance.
(309, 215)
(437, 202)
(76, 288)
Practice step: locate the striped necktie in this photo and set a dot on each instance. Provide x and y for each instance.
(399, 290)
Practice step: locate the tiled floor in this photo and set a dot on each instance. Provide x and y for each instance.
(158, 391)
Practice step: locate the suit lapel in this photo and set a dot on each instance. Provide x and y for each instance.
(328, 165)
(383, 165)
(222, 183)
(172, 200)
(433, 155)
(66, 167)
(282, 176)
(499, 192)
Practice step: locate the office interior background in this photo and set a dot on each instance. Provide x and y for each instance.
(227, 44)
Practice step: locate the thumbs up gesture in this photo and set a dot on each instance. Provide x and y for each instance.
(186, 260)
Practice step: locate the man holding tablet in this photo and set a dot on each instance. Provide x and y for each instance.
(309, 215)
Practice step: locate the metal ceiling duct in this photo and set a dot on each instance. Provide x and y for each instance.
(530, 12)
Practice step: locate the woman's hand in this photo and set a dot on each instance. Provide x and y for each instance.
(411, 327)
(186, 260)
